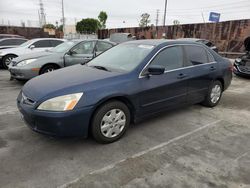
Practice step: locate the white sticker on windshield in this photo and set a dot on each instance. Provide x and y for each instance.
(146, 46)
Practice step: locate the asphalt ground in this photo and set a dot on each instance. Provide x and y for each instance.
(189, 147)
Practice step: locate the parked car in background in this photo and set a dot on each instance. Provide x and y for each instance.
(124, 84)
(11, 42)
(121, 37)
(34, 45)
(10, 36)
(66, 54)
(203, 41)
(242, 64)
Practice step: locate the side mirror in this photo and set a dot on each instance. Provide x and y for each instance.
(31, 47)
(70, 52)
(155, 70)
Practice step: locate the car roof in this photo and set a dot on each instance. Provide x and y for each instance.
(191, 39)
(13, 38)
(156, 42)
(47, 39)
(81, 40)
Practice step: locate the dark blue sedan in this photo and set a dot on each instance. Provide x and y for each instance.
(124, 85)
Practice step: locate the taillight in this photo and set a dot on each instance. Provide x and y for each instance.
(231, 67)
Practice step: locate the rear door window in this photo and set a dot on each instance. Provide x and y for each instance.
(196, 55)
(42, 44)
(55, 43)
(170, 58)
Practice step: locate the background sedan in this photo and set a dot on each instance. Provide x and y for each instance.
(31, 46)
(67, 54)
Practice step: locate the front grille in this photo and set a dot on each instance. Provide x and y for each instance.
(244, 69)
(26, 100)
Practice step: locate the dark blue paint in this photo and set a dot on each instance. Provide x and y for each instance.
(144, 96)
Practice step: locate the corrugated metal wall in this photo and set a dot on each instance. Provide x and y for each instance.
(228, 36)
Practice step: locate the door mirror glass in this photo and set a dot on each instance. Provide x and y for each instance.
(156, 70)
(32, 47)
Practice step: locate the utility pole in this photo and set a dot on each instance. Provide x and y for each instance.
(157, 17)
(42, 17)
(165, 13)
(164, 35)
(63, 18)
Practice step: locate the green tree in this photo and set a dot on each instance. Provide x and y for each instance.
(144, 20)
(88, 25)
(60, 28)
(103, 19)
(176, 22)
(49, 26)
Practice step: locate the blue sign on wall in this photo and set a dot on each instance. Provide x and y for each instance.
(214, 17)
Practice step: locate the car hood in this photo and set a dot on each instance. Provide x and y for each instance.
(52, 57)
(34, 55)
(247, 44)
(73, 79)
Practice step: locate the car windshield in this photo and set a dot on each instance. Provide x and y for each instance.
(64, 47)
(124, 57)
(27, 43)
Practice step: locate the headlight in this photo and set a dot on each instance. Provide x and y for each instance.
(62, 103)
(25, 62)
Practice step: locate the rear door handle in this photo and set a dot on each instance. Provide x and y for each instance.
(181, 76)
(87, 58)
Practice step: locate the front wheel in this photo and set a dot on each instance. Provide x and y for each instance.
(214, 94)
(110, 122)
(47, 69)
(7, 60)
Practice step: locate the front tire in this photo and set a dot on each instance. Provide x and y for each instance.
(214, 94)
(7, 60)
(110, 122)
(47, 69)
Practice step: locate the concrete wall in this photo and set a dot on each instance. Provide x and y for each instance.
(28, 32)
(228, 36)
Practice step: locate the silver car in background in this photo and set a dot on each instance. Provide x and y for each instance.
(66, 54)
(31, 46)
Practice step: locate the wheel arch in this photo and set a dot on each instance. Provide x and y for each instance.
(221, 80)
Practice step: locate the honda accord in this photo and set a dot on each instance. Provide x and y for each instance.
(123, 85)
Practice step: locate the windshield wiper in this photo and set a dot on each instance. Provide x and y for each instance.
(100, 67)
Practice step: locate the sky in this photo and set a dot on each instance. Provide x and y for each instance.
(121, 13)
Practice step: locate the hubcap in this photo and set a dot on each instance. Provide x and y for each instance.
(8, 61)
(113, 123)
(49, 70)
(215, 94)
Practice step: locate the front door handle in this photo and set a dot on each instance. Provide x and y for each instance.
(212, 68)
(181, 76)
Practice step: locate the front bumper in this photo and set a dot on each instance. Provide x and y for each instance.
(22, 73)
(238, 72)
(62, 124)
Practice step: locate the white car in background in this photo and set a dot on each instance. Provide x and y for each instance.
(31, 46)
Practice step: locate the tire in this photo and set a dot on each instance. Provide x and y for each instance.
(105, 128)
(6, 60)
(214, 94)
(48, 68)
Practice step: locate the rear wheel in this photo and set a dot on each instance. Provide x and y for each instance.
(110, 122)
(47, 69)
(214, 94)
(7, 60)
